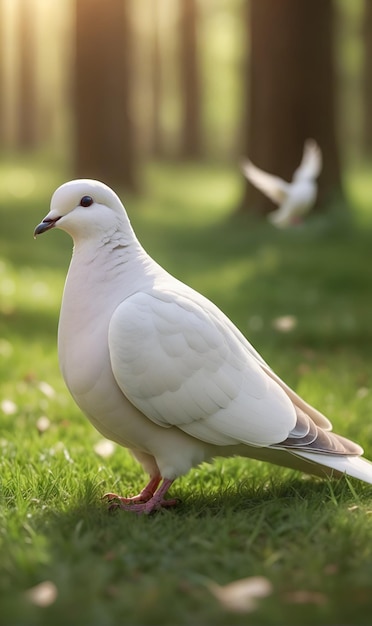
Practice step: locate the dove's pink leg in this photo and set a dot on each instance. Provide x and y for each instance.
(145, 495)
(148, 500)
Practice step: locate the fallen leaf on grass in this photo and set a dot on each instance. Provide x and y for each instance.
(43, 594)
(241, 595)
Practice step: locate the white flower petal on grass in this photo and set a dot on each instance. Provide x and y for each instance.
(46, 389)
(285, 323)
(44, 594)
(241, 595)
(43, 424)
(67, 455)
(104, 448)
(9, 407)
(60, 447)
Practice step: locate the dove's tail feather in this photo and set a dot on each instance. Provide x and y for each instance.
(354, 466)
(315, 463)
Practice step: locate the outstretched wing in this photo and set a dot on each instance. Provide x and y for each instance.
(311, 163)
(273, 187)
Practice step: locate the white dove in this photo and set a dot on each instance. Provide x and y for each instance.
(296, 198)
(161, 370)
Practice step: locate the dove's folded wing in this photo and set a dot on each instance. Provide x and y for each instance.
(183, 366)
(311, 163)
(273, 187)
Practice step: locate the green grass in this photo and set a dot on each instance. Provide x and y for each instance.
(237, 518)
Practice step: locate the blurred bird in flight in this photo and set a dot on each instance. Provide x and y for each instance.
(295, 199)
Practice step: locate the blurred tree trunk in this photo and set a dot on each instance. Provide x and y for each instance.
(290, 91)
(367, 79)
(191, 142)
(2, 78)
(26, 130)
(104, 146)
(156, 80)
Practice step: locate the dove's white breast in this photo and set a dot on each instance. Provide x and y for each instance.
(93, 290)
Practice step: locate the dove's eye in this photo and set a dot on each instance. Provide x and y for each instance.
(86, 201)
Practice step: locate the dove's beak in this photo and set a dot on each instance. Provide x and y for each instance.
(46, 224)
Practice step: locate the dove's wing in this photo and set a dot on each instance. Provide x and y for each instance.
(273, 187)
(311, 163)
(184, 366)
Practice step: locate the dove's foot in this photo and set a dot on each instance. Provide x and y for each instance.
(144, 496)
(147, 501)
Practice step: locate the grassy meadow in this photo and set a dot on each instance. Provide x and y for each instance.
(303, 297)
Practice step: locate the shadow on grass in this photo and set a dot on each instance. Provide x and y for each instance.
(251, 496)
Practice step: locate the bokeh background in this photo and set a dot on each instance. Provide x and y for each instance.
(104, 88)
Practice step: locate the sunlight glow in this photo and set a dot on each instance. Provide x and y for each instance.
(20, 182)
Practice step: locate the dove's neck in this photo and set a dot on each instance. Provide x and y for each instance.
(103, 272)
(106, 248)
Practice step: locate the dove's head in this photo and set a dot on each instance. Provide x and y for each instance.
(85, 208)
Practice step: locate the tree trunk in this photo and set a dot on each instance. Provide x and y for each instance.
(191, 143)
(2, 77)
(104, 129)
(156, 82)
(26, 129)
(367, 80)
(290, 91)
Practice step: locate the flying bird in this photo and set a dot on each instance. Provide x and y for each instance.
(296, 198)
(159, 369)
